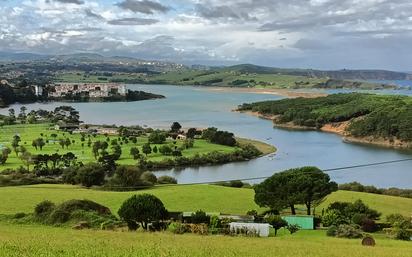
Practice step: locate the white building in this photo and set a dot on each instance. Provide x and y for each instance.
(38, 90)
(261, 229)
(94, 90)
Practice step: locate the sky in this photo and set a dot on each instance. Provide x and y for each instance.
(318, 34)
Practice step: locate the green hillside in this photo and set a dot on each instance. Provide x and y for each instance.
(180, 198)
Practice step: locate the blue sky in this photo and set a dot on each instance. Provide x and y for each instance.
(325, 34)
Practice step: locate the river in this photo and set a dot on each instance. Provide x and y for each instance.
(200, 107)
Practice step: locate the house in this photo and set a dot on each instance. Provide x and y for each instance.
(181, 137)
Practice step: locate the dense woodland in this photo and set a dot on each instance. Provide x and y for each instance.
(388, 117)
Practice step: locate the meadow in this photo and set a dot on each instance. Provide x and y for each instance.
(36, 241)
(210, 198)
(30, 132)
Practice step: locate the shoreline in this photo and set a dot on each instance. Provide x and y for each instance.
(338, 128)
(290, 93)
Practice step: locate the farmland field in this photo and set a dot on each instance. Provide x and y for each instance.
(36, 241)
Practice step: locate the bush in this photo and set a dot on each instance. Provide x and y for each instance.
(143, 209)
(215, 224)
(277, 222)
(398, 220)
(369, 225)
(177, 228)
(85, 205)
(44, 208)
(293, 228)
(166, 180)
(403, 234)
(200, 217)
(332, 230)
(59, 216)
(348, 231)
(19, 215)
(148, 176)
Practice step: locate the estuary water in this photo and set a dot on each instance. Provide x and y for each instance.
(202, 107)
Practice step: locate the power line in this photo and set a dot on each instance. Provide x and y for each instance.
(248, 179)
(265, 177)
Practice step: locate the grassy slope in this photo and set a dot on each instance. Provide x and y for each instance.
(30, 132)
(180, 198)
(18, 241)
(191, 77)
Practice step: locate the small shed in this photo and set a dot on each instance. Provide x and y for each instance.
(304, 222)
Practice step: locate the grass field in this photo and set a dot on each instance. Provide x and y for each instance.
(17, 240)
(29, 132)
(36, 241)
(209, 198)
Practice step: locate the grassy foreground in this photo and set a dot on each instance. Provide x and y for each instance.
(181, 198)
(36, 241)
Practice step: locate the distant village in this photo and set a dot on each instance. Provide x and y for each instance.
(93, 90)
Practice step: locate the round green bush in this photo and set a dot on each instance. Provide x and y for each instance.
(44, 208)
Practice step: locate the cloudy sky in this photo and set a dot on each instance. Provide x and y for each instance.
(326, 34)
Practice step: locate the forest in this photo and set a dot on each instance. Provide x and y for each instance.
(381, 116)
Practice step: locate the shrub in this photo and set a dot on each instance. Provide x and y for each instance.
(44, 208)
(177, 228)
(332, 230)
(85, 205)
(348, 231)
(19, 215)
(277, 222)
(149, 177)
(143, 209)
(369, 225)
(166, 180)
(59, 216)
(200, 217)
(398, 220)
(215, 224)
(293, 228)
(402, 234)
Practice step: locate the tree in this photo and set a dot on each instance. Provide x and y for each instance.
(165, 150)
(175, 127)
(90, 175)
(143, 209)
(67, 142)
(277, 192)
(146, 149)
(306, 185)
(134, 151)
(155, 150)
(15, 143)
(4, 155)
(157, 137)
(277, 222)
(191, 133)
(314, 185)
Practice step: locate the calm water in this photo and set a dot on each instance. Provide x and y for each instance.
(199, 107)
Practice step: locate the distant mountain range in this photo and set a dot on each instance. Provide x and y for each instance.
(242, 68)
(334, 74)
